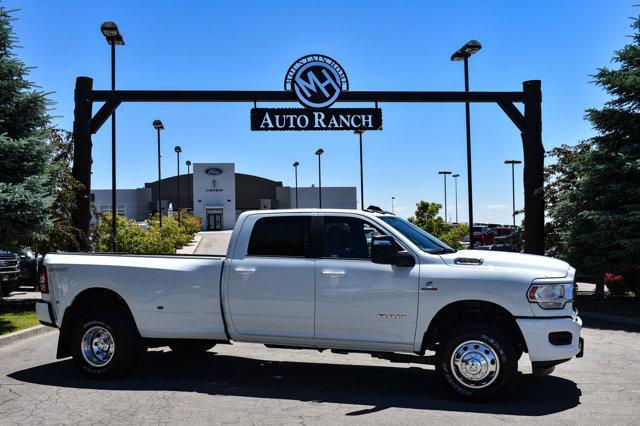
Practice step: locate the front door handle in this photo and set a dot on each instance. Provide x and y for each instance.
(244, 270)
(333, 274)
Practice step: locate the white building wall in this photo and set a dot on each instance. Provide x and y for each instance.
(131, 202)
(215, 190)
(333, 197)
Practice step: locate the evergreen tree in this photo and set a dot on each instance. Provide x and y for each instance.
(600, 211)
(26, 183)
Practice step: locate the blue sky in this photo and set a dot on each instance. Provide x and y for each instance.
(382, 46)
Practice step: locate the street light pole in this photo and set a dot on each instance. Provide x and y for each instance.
(393, 210)
(444, 174)
(463, 54)
(513, 187)
(319, 152)
(157, 124)
(455, 179)
(113, 36)
(295, 167)
(359, 132)
(178, 150)
(188, 163)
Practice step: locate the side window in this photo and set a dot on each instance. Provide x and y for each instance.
(347, 238)
(286, 236)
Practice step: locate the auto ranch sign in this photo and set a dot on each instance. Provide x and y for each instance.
(317, 81)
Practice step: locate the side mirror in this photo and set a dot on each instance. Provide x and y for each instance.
(384, 250)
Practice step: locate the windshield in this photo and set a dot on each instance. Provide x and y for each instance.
(425, 241)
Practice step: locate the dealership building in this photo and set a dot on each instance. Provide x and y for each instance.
(217, 194)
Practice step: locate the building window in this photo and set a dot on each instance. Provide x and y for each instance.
(106, 208)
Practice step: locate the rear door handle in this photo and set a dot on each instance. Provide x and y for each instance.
(244, 270)
(335, 274)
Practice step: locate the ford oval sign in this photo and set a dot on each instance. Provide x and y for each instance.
(213, 171)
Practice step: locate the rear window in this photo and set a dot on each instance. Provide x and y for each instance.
(280, 236)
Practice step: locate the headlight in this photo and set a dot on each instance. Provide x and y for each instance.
(550, 296)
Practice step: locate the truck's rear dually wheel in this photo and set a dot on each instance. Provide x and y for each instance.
(103, 344)
(477, 362)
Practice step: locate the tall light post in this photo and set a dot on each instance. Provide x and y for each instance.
(393, 210)
(114, 38)
(455, 179)
(188, 163)
(359, 132)
(319, 153)
(463, 54)
(513, 187)
(178, 150)
(295, 167)
(157, 124)
(444, 174)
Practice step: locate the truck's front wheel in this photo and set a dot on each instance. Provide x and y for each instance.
(103, 345)
(477, 362)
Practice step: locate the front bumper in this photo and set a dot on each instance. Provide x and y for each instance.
(536, 334)
(44, 311)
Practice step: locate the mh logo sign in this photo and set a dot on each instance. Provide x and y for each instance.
(317, 81)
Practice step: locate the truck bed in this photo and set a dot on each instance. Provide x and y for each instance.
(169, 296)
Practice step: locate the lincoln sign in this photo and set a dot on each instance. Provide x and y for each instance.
(317, 81)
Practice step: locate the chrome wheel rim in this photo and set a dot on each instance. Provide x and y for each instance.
(97, 346)
(475, 364)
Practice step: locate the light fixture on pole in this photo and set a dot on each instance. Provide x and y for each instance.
(157, 124)
(319, 153)
(114, 38)
(188, 163)
(455, 179)
(359, 132)
(178, 150)
(513, 187)
(295, 167)
(393, 210)
(444, 174)
(463, 54)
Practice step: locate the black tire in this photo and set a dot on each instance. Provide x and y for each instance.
(123, 349)
(496, 378)
(191, 348)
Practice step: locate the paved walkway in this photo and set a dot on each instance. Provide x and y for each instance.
(213, 242)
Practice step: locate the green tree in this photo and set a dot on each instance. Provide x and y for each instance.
(26, 181)
(426, 217)
(61, 235)
(600, 209)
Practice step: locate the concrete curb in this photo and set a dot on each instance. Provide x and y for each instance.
(616, 319)
(16, 336)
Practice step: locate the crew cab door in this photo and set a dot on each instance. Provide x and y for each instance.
(356, 299)
(271, 286)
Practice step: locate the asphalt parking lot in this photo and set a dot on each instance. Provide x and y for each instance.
(247, 383)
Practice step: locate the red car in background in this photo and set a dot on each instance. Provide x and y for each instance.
(489, 237)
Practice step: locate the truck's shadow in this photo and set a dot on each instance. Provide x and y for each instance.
(374, 386)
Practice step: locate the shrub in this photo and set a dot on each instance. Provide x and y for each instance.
(149, 238)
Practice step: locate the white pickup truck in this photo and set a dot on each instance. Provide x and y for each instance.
(342, 280)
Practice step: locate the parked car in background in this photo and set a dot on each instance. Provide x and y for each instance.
(490, 236)
(29, 264)
(9, 271)
(18, 269)
(478, 234)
